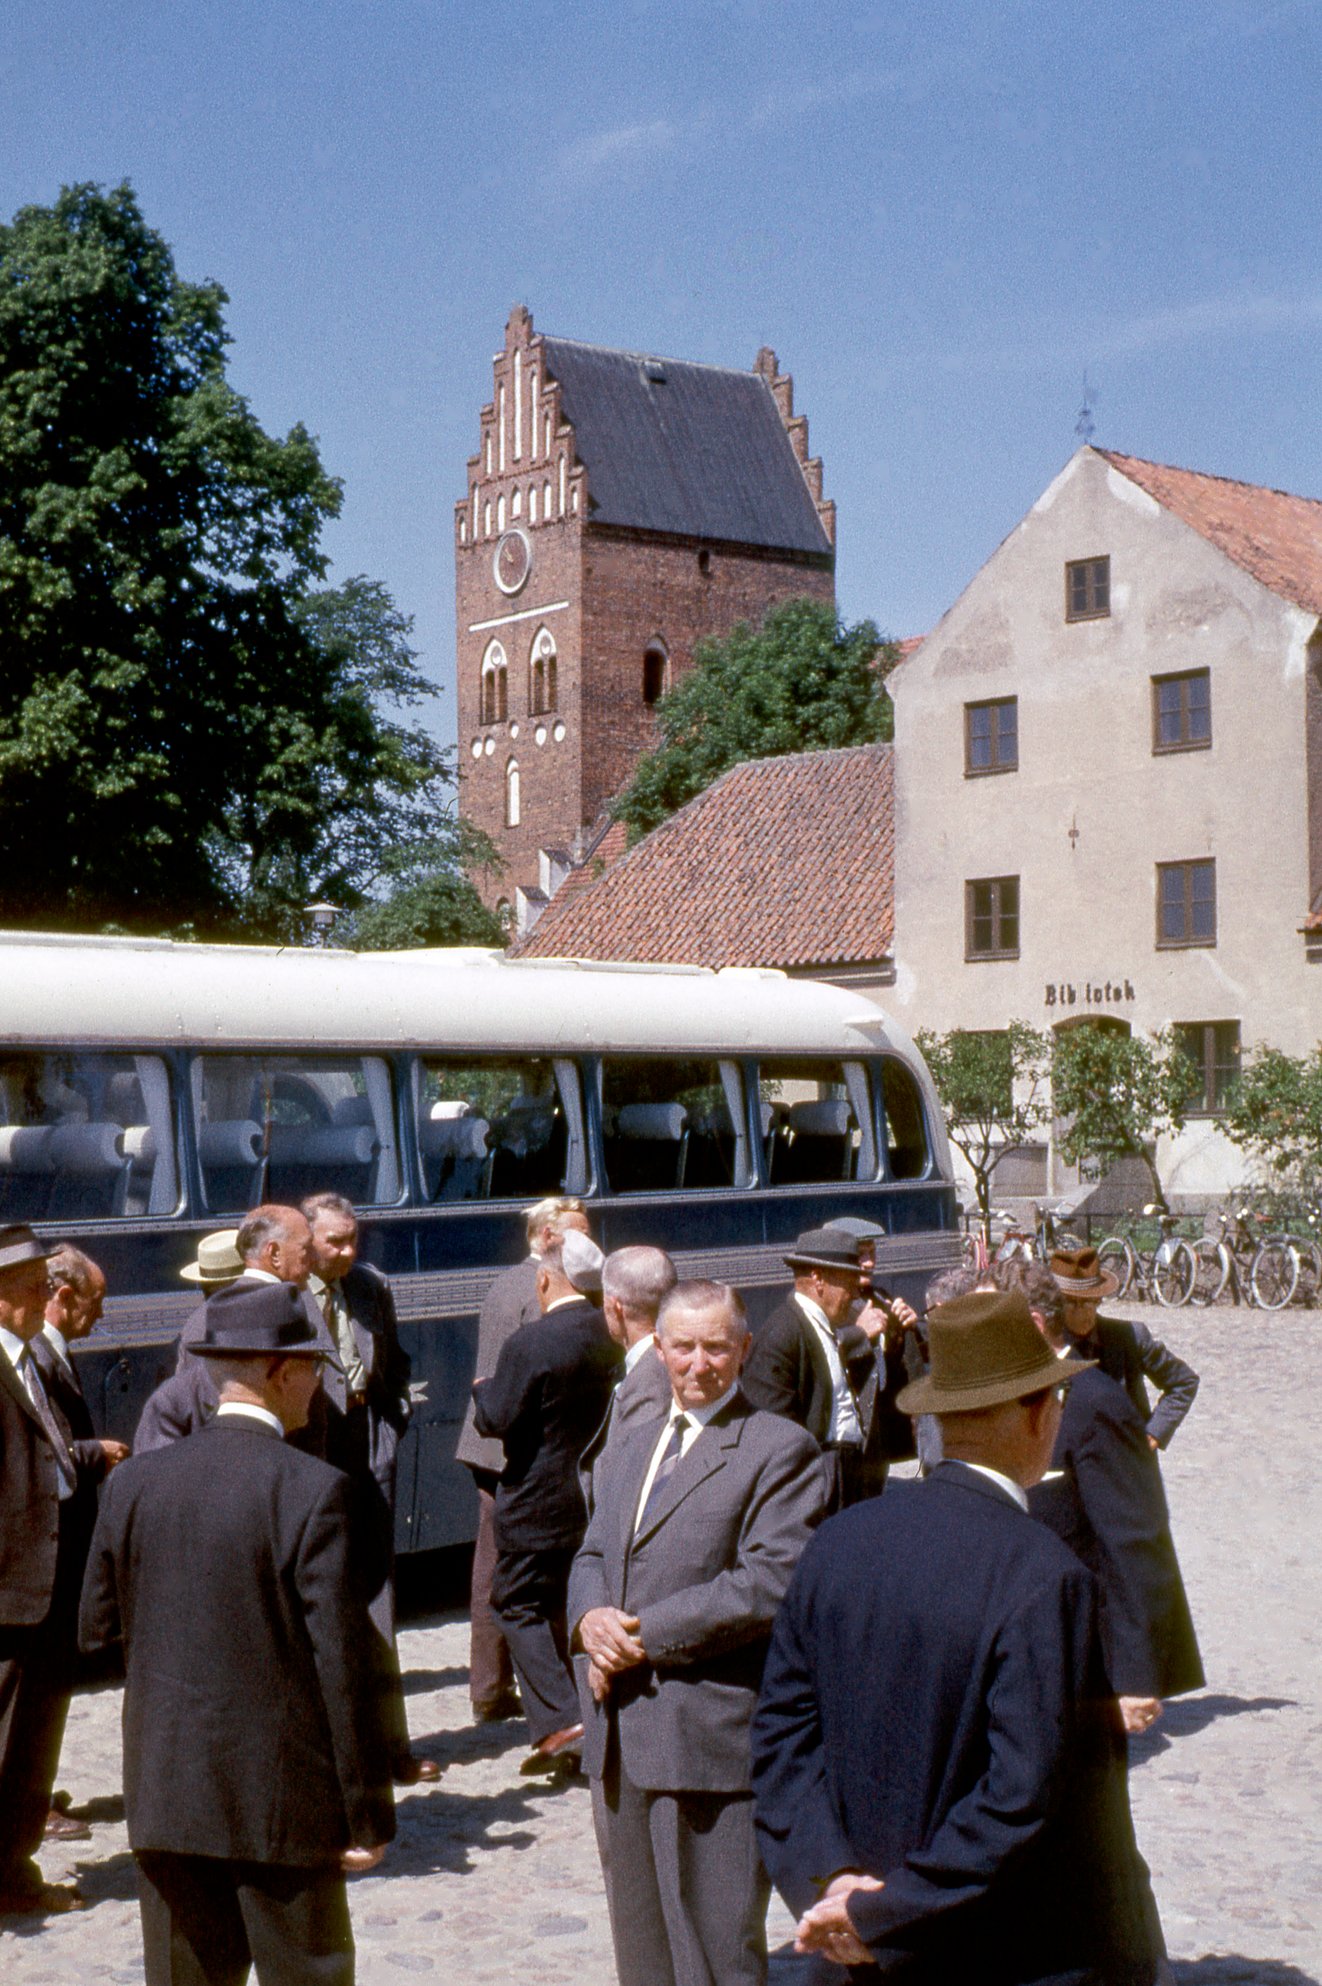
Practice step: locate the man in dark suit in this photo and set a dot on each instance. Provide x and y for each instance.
(73, 1310)
(510, 1301)
(695, 1532)
(634, 1283)
(227, 1568)
(940, 1772)
(544, 1401)
(41, 1545)
(367, 1409)
(832, 1364)
(1126, 1351)
(1104, 1498)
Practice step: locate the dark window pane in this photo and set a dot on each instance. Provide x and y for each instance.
(1200, 707)
(1009, 932)
(980, 737)
(816, 1122)
(276, 1127)
(1009, 732)
(85, 1136)
(672, 1124)
(496, 1128)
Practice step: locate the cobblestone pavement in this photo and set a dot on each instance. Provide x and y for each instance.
(495, 1880)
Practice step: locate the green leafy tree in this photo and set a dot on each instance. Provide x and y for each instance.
(194, 732)
(993, 1091)
(426, 896)
(1274, 1112)
(1118, 1093)
(801, 682)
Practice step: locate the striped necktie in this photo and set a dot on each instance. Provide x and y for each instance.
(665, 1468)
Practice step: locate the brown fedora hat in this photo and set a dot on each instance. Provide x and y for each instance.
(1079, 1272)
(985, 1350)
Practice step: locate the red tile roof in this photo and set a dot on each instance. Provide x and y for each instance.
(781, 862)
(1272, 535)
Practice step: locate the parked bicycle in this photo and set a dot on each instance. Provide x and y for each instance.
(1164, 1274)
(1242, 1263)
(1039, 1242)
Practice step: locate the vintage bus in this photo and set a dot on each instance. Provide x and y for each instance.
(151, 1092)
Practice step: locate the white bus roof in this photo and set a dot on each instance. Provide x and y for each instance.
(71, 991)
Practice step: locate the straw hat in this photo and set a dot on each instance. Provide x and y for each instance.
(19, 1244)
(985, 1349)
(218, 1260)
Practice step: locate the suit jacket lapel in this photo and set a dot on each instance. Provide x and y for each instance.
(10, 1379)
(703, 1459)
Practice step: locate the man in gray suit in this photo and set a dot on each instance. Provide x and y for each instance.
(510, 1301)
(634, 1283)
(695, 1534)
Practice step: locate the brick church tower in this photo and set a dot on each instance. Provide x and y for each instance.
(619, 508)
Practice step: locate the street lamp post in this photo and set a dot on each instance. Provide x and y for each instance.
(321, 922)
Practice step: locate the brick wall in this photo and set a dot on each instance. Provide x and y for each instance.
(639, 590)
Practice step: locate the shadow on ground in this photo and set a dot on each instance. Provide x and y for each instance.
(441, 1833)
(422, 1682)
(1227, 1969)
(1184, 1716)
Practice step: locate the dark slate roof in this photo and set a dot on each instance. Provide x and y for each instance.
(700, 453)
(785, 862)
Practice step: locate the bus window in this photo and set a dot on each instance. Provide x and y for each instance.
(499, 1128)
(906, 1131)
(276, 1127)
(816, 1122)
(672, 1125)
(85, 1137)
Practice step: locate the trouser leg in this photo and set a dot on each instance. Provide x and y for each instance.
(297, 1924)
(490, 1671)
(192, 1928)
(638, 1921)
(529, 1593)
(713, 1888)
(34, 1702)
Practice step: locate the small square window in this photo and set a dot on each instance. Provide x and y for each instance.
(1088, 589)
(1186, 903)
(991, 737)
(991, 918)
(1211, 1049)
(1182, 711)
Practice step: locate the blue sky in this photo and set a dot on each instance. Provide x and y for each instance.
(938, 214)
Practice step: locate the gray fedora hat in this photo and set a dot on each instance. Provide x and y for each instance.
(269, 1320)
(824, 1248)
(985, 1350)
(19, 1244)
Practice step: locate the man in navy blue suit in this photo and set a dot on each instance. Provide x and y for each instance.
(937, 1758)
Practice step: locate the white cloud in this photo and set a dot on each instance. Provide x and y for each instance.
(626, 141)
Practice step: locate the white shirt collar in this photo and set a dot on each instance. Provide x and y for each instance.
(701, 1415)
(58, 1343)
(815, 1312)
(561, 1301)
(1006, 1483)
(636, 1352)
(12, 1346)
(246, 1408)
(258, 1275)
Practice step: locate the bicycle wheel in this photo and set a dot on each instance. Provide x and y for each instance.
(1211, 1271)
(1274, 1275)
(1066, 1242)
(1115, 1258)
(1174, 1272)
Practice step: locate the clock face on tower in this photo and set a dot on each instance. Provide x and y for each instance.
(512, 562)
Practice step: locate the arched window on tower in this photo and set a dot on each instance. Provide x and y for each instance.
(513, 809)
(541, 674)
(495, 685)
(656, 672)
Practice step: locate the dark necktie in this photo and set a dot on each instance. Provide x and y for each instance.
(29, 1371)
(665, 1468)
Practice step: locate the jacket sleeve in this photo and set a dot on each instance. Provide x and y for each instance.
(799, 1832)
(587, 1578)
(510, 1392)
(329, 1575)
(98, 1609)
(1176, 1382)
(396, 1365)
(90, 1460)
(1119, 1487)
(1039, 1689)
(786, 1502)
(772, 1377)
(178, 1407)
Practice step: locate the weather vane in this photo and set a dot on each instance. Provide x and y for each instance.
(1086, 427)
